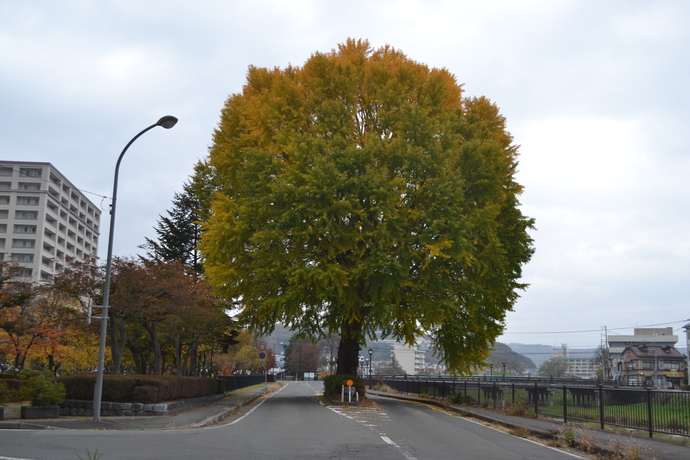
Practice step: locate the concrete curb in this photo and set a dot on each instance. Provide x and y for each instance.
(225, 413)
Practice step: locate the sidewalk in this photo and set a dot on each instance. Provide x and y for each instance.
(653, 448)
(193, 418)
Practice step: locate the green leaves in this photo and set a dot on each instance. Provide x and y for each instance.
(361, 189)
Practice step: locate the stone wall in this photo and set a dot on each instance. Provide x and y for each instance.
(76, 408)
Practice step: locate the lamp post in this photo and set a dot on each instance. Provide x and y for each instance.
(166, 122)
(371, 352)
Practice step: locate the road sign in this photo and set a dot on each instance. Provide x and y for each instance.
(262, 346)
(350, 383)
(262, 355)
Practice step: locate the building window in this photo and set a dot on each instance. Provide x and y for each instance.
(30, 186)
(24, 229)
(33, 215)
(23, 243)
(648, 365)
(26, 258)
(30, 172)
(6, 170)
(671, 365)
(4, 214)
(26, 272)
(27, 200)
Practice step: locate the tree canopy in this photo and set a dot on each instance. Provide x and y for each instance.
(361, 193)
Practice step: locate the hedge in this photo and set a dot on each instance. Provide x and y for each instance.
(147, 389)
(332, 385)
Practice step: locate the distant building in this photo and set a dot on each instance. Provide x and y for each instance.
(410, 358)
(580, 367)
(584, 368)
(661, 336)
(652, 365)
(44, 219)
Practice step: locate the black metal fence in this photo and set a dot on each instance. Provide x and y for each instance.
(661, 411)
(235, 382)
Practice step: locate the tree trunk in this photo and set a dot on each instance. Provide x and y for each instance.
(139, 363)
(348, 350)
(152, 328)
(118, 338)
(179, 366)
(193, 356)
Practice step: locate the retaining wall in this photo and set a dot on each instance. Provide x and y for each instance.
(76, 408)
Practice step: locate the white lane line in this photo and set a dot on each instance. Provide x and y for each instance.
(405, 454)
(375, 429)
(245, 415)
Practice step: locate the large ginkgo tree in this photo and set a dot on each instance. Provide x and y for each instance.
(362, 194)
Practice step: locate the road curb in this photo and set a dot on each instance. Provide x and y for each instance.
(225, 413)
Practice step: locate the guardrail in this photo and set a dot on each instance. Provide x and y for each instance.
(660, 411)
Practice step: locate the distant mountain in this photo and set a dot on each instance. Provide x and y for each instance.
(541, 353)
(537, 353)
(504, 353)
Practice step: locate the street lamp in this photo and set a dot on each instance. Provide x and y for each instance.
(166, 122)
(371, 352)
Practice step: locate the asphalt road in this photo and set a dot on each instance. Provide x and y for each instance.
(292, 424)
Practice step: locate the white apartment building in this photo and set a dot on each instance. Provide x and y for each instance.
(44, 219)
(410, 358)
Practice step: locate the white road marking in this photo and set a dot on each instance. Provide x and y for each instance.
(220, 425)
(364, 416)
(520, 437)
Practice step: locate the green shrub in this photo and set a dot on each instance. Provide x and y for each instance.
(146, 394)
(332, 385)
(41, 388)
(4, 393)
(456, 398)
(124, 388)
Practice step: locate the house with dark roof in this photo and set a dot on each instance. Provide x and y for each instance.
(652, 366)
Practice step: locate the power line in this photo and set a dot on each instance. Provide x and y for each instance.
(591, 330)
(23, 174)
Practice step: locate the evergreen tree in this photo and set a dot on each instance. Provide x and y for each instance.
(178, 233)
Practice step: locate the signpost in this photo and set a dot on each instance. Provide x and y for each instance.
(262, 357)
(349, 384)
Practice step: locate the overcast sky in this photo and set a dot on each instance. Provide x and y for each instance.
(596, 93)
